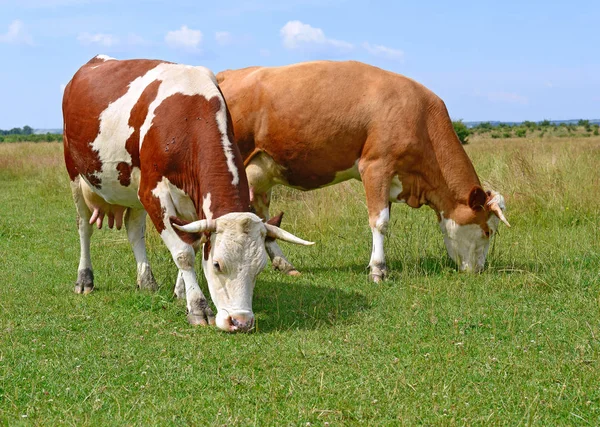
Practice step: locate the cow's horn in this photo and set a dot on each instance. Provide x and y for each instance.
(496, 210)
(198, 226)
(278, 233)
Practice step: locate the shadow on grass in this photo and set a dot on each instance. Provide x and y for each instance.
(298, 305)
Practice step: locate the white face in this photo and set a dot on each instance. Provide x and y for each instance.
(467, 245)
(237, 255)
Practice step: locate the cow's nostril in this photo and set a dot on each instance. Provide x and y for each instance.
(237, 325)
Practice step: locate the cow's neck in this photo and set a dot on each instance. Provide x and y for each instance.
(217, 192)
(453, 176)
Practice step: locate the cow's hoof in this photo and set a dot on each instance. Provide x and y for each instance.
(201, 319)
(85, 282)
(377, 274)
(201, 314)
(83, 289)
(376, 278)
(283, 265)
(147, 284)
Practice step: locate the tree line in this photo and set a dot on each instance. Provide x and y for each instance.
(27, 134)
(583, 128)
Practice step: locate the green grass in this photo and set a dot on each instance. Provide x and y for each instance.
(518, 344)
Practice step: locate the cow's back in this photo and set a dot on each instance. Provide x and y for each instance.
(316, 118)
(130, 125)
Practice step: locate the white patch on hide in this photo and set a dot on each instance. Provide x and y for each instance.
(171, 195)
(105, 57)
(206, 206)
(188, 80)
(226, 143)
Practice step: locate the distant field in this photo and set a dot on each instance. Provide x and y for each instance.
(518, 344)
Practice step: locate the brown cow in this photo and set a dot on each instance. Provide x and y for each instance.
(150, 136)
(314, 124)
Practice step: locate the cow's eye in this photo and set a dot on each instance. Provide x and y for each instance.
(217, 266)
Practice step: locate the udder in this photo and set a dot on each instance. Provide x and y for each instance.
(101, 208)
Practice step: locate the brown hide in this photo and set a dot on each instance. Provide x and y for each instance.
(183, 144)
(175, 148)
(83, 112)
(318, 118)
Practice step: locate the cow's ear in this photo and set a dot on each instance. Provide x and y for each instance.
(276, 221)
(477, 198)
(188, 237)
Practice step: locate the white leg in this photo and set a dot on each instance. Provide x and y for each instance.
(85, 274)
(160, 207)
(135, 222)
(260, 203)
(199, 313)
(377, 262)
(179, 290)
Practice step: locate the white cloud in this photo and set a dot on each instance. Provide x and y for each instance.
(16, 34)
(297, 35)
(508, 97)
(185, 38)
(223, 38)
(384, 52)
(99, 39)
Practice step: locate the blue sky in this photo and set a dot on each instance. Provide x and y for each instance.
(488, 60)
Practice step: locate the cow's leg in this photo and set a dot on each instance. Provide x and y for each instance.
(276, 255)
(179, 290)
(263, 173)
(85, 274)
(135, 222)
(260, 204)
(159, 205)
(198, 310)
(377, 188)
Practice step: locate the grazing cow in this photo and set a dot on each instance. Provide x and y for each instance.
(314, 124)
(150, 136)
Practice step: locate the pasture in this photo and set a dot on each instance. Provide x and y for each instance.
(518, 344)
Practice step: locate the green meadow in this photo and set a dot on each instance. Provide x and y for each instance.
(516, 345)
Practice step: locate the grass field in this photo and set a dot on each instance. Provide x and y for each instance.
(516, 345)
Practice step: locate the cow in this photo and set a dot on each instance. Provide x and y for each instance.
(314, 124)
(148, 136)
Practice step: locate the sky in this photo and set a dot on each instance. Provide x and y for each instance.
(488, 60)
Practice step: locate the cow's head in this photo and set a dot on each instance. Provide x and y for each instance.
(233, 256)
(468, 228)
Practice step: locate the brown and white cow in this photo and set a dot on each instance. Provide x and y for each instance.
(315, 124)
(150, 136)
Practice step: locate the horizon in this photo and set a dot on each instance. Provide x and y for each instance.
(507, 63)
(467, 122)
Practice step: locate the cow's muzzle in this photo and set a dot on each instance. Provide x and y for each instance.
(236, 322)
